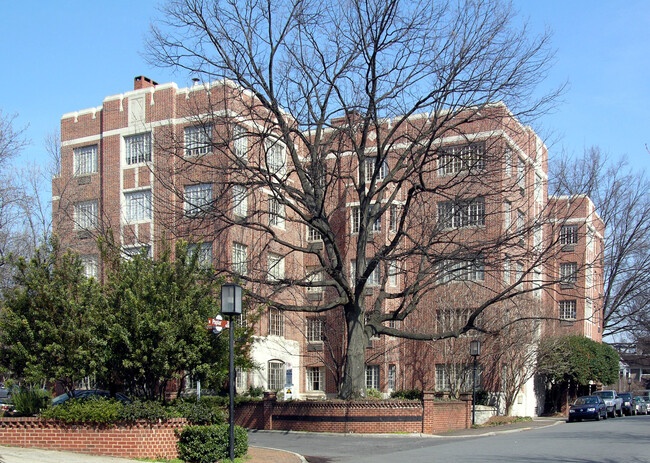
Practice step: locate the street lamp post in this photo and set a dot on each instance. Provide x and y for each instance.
(231, 305)
(629, 382)
(474, 351)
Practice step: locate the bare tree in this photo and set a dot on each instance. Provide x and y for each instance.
(621, 196)
(343, 108)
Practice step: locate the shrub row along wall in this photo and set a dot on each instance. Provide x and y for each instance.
(132, 440)
(430, 416)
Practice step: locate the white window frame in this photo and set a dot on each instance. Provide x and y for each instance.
(90, 265)
(507, 215)
(276, 322)
(355, 219)
(393, 272)
(568, 309)
(568, 273)
(276, 159)
(569, 235)
(370, 163)
(521, 173)
(275, 266)
(241, 380)
(132, 251)
(198, 140)
(392, 376)
(277, 375)
(197, 198)
(507, 155)
(315, 379)
(276, 212)
(461, 270)
(85, 160)
(393, 218)
(86, 215)
(204, 260)
(315, 275)
(462, 214)
(313, 235)
(240, 142)
(240, 259)
(240, 200)
(137, 149)
(373, 377)
(455, 159)
(315, 329)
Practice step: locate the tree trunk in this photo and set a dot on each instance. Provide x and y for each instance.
(354, 374)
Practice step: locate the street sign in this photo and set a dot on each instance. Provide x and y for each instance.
(217, 324)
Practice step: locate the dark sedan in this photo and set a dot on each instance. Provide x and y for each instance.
(88, 394)
(591, 407)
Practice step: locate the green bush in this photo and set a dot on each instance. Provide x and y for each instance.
(148, 410)
(255, 392)
(373, 393)
(202, 412)
(28, 402)
(409, 394)
(88, 410)
(208, 444)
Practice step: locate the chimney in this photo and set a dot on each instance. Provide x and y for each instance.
(143, 82)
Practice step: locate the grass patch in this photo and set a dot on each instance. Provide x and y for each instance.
(502, 420)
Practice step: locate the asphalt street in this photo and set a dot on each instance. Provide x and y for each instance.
(610, 441)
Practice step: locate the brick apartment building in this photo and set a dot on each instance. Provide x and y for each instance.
(146, 164)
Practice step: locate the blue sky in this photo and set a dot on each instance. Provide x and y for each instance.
(62, 56)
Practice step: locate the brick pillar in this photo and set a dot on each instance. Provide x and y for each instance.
(269, 404)
(467, 398)
(428, 412)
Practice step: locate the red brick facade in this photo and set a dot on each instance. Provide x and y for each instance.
(139, 440)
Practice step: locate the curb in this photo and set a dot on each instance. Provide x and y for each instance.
(302, 459)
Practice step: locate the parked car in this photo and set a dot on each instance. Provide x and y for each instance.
(5, 405)
(588, 407)
(613, 402)
(641, 405)
(628, 403)
(89, 393)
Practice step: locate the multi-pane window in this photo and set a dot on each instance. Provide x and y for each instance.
(86, 215)
(376, 226)
(132, 251)
(539, 190)
(315, 329)
(460, 375)
(392, 376)
(315, 379)
(314, 278)
(393, 271)
(355, 219)
(569, 234)
(521, 173)
(240, 142)
(276, 212)
(519, 273)
(370, 165)
(537, 282)
(442, 379)
(537, 238)
(507, 157)
(506, 271)
(241, 379)
(85, 160)
(276, 266)
(458, 214)
(451, 319)
(461, 158)
(461, 270)
(521, 223)
(240, 259)
(373, 280)
(90, 266)
(313, 234)
(276, 323)
(276, 159)
(568, 273)
(392, 218)
(568, 310)
(277, 375)
(372, 377)
(240, 200)
(204, 258)
(138, 148)
(198, 198)
(507, 215)
(198, 140)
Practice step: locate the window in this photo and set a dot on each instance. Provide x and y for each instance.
(519, 273)
(276, 323)
(276, 266)
(392, 376)
(460, 158)
(138, 148)
(370, 165)
(240, 259)
(132, 251)
(451, 319)
(458, 214)
(276, 375)
(457, 374)
(241, 379)
(567, 310)
(521, 223)
(240, 200)
(86, 215)
(198, 140)
(90, 266)
(537, 283)
(315, 379)
(372, 377)
(276, 159)
(376, 226)
(313, 235)
(240, 142)
(315, 329)
(204, 259)
(137, 205)
(442, 379)
(539, 191)
(393, 218)
(276, 213)
(461, 270)
(506, 271)
(507, 215)
(85, 160)
(589, 310)
(373, 280)
(198, 198)
(568, 273)
(521, 173)
(392, 273)
(314, 277)
(537, 238)
(569, 234)
(355, 219)
(508, 160)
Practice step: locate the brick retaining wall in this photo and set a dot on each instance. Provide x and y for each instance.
(137, 440)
